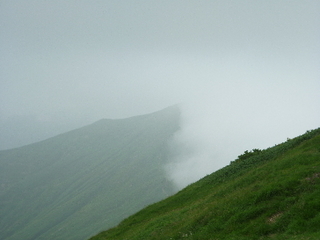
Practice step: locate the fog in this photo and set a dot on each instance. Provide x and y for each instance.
(217, 126)
(245, 72)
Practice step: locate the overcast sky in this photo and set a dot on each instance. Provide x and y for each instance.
(234, 64)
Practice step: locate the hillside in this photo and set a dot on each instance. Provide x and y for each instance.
(76, 184)
(264, 194)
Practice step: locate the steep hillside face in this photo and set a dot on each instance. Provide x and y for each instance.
(264, 194)
(78, 183)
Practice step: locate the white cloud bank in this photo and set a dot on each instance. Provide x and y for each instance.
(248, 108)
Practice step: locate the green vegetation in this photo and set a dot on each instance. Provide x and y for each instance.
(264, 194)
(79, 183)
(247, 154)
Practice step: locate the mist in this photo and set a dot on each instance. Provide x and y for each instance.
(246, 109)
(246, 73)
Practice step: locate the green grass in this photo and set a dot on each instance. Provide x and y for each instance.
(79, 183)
(274, 194)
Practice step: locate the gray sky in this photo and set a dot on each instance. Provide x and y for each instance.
(246, 69)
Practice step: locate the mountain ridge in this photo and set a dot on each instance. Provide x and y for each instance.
(65, 186)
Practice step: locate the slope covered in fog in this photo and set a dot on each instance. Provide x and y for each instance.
(75, 184)
(263, 194)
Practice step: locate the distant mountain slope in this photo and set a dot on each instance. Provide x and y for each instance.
(75, 184)
(268, 194)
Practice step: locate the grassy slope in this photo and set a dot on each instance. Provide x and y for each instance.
(272, 195)
(76, 184)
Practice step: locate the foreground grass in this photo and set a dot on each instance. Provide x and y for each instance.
(273, 194)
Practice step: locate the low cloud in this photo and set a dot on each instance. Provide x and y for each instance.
(224, 118)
